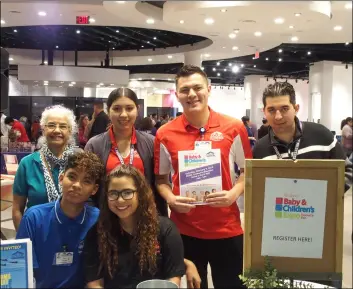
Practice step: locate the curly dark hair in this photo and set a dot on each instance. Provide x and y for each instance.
(146, 228)
(87, 161)
(279, 89)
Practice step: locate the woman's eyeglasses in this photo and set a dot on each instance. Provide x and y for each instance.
(53, 126)
(125, 194)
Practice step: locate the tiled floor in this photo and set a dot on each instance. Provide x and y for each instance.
(8, 229)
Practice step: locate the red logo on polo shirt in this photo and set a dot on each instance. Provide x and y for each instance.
(216, 136)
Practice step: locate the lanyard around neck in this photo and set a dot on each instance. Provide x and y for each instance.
(295, 152)
(121, 159)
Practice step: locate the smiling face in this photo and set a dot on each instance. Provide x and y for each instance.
(123, 113)
(77, 186)
(192, 93)
(280, 113)
(124, 209)
(57, 131)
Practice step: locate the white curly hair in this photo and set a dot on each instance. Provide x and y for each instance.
(59, 110)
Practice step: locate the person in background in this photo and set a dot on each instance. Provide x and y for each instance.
(35, 129)
(100, 122)
(82, 125)
(146, 125)
(18, 128)
(211, 234)
(154, 118)
(60, 227)
(4, 128)
(263, 130)
(246, 121)
(179, 113)
(130, 243)
(347, 135)
(37, 178)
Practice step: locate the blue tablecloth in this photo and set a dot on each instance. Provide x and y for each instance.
(19, 157)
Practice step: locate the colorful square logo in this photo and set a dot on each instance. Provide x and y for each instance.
(278, 208)
(278, 215)
(279, 201)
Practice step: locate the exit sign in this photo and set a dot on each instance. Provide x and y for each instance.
(82, 19)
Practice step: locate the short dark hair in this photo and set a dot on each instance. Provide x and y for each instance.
(279, 89)
(8, 120)
(179, 113)
(245, 118)
(99, 104)
(188, 70)
(87, 161)
(146, 124)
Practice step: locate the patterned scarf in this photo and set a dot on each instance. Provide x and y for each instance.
(52, 193)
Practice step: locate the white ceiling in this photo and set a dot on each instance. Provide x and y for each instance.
(313, 26)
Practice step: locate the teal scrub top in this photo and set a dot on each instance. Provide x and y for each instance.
(29, 180)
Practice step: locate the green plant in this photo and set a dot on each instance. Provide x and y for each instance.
(269, 278)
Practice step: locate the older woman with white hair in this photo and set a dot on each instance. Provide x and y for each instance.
(37, 178)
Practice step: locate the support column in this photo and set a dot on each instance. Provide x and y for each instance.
(252, 90)
(192, 58)
(76, 57)
(50, 57)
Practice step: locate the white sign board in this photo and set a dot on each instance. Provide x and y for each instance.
(294, 218)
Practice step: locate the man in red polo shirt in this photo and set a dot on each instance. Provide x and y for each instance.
(211, 233)
(18, 128)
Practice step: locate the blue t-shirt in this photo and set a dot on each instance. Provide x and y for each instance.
(51, 232)
(29, 180)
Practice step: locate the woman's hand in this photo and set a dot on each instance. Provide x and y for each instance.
(192, 275)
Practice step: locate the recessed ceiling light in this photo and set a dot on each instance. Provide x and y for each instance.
(337, 28)
(255, 65)
(242, 65)
(294, 38)
(111, 84)
(235, 47)
(236, 30)
(78, 31)
(266, 58)
(224, 47)
(101, 83)
(153, 78)
(218, 63)
(348, 5)
(224, 69)
(214, 69)
(279, 20)
(297, 14)
(229, 64)
(154, 38)
(280, 50)
(181, 21)
(150, 21)
(120, 2)
(209, 21)
(56, 46)
(3, 21)
(257, 33)
(207, 55)
(291, 27)
(218, 74)
(140, 79)
(235, 69)
(73, 82)
(45, 83)
(223, 10)
(148, 42)
(92, 20)
(232, 36)
(149, 59)
(309, 52)
(170, 56)
(45, 62)
(347, 43)
(117, 31)
(142, 46)
(10, 59)
(203, 68)
(169, 79)
(14, 30)
(279, 59)
(113, 48)
(42, 13)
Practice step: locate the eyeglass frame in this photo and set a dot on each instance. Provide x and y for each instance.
(120, 194)
(56, 126)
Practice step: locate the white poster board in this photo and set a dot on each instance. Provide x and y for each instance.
(294, 218)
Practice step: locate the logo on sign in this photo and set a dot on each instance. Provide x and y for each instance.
(291, 208)
(193, 160)
(217, 136)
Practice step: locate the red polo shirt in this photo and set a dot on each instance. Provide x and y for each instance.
(113, 159)
(227, 134)
(19, 127)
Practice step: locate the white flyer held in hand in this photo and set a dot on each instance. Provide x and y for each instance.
(199, 174)
(294, 218)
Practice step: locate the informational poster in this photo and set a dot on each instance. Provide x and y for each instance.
(16, 264)
(11, 163)
(200, 173)
(294, 218)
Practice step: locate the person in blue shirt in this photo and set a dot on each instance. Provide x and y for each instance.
(58, 229)
(36, 181)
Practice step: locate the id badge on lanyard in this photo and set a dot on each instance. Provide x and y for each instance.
(121, 159)
(202, 144)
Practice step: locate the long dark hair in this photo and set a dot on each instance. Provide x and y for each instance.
(146, 230)
(345, 121)
(120, 92)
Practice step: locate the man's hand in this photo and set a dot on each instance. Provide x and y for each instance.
(181, 204)
(192, 275)
(222, 199)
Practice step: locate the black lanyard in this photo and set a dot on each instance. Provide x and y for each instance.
(295, 152)
(202, 133)
(131, 155)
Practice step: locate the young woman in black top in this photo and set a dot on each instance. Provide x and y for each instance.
(130, 243)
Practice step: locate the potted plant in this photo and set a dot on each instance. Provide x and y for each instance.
(269, 278)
